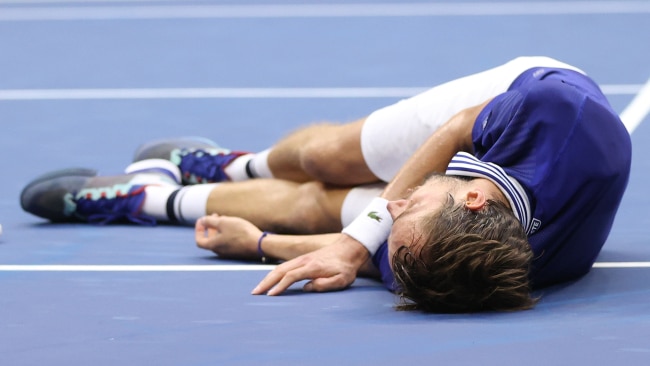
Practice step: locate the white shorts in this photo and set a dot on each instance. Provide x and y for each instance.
(392, 134)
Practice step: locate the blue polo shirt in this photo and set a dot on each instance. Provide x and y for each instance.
(561, 156)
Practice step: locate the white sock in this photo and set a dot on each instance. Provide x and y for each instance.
(249, 166)
(178, 205)
(191, 202)
(259, 165)
(236, 170)
(155, 202)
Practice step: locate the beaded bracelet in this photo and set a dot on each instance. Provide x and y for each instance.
(260, 252)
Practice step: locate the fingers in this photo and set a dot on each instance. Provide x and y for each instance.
(211, 221)
(205, 229)
(303, 268)
(200, 233)
(278, 279)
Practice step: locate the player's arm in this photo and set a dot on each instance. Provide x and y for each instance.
(236, 238)
(334, 267)
(373, 225)
(436, 152)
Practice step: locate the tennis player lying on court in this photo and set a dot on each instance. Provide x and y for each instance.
(493, 184)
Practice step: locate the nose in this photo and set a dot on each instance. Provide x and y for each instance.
(396, 208)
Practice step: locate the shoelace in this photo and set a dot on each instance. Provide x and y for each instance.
(127, 206)
(201, 167)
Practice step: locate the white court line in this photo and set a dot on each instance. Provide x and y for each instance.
(621, 265)
(620, 89)
(209, 93)
(31, 2)
(133, 268)
(638, 109)
(216, 93)
(324, 10)
(203, 268)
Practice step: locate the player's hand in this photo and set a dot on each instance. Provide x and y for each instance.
(228, 237)
(330, 268)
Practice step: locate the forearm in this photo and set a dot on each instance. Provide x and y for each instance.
(287, 247)
(436, 153)
(373, 225)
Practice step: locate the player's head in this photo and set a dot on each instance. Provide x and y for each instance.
(455, 250)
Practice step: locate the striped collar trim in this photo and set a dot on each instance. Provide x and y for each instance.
(465, 164)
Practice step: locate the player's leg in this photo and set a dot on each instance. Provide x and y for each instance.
(326, 152)
(329, 153)
(279, 205)
(270, 204)
(150, 196)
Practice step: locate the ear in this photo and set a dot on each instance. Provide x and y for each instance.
(475, 199)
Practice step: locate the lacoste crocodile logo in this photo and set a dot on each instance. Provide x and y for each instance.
(373, 215)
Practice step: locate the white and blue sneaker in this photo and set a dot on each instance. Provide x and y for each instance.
(80, 195)
(200, 160)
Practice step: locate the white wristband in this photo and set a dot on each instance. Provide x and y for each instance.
(372, 226)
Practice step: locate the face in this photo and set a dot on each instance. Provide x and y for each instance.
(409, 212)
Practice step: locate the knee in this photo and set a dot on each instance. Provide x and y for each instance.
(336, 161)
(320, 159)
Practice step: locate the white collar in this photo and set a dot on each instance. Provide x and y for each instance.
(465, 164)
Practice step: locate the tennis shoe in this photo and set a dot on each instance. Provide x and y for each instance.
(80, 195)
(199, 160)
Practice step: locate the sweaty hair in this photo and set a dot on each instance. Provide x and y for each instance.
(466, 261)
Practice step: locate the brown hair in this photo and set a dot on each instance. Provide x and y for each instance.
(468, 261)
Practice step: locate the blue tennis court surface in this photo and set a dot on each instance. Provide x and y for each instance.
(82, 84)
